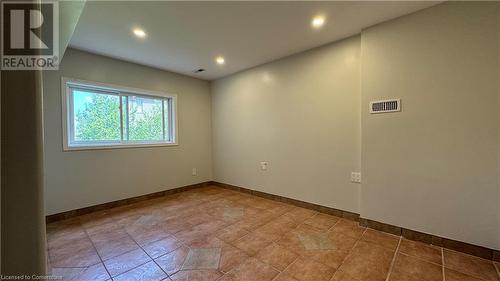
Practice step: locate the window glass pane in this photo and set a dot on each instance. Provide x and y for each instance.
(96, 116)
(145, 119)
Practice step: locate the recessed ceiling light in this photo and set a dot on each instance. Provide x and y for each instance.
(220, 60)
(139, 32)
(318, 21)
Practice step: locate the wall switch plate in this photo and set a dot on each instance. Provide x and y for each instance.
(263, 166)
(194, 172)
(356, 177)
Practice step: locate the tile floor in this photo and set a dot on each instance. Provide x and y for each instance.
(217, 234)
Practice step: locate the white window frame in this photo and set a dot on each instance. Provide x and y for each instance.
(121, 91)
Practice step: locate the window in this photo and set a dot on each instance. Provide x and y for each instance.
(96, 115)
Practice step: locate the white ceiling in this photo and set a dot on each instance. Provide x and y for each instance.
(184, 36)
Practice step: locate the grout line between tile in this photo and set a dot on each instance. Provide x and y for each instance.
(497, 266)
(442, 264)
(288, 266)
(130, 236)
(393, 260)
(97, 253)
(420, 258)
(348, 254)
(334, 225)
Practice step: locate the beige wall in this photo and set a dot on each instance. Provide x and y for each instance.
(23, 223)
(434, 167)
(76, 179)
(301, 114)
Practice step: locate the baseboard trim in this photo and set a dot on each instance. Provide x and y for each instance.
(118, 203)
(455, 245)
(295, 202)
(458, 246)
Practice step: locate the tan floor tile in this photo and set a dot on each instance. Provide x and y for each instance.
(231, 257)
(381, 238)
(197, 219)
(64, 228)
(284, 222)
(281, 209)
(186, 236)
(291, 241)
(105, 227)
(241, 225)
(147, 272)
(305, 228)
(162, 247)
(284, 277)
(342, 245)
(144, 236)
(342, 276)
(112, 248)
(304, 269)
(420, 250)
(299, 215)
(322, 221)
(231, 233)
(408, 268)
(368, 262)
(96, 273)
(125, 262)
(67, 273)
(175, 225)
(276, 256)
(208, 241)
(201, 259)
(112, 244)
(94, 219)
(196, 275)
(252, 243)
(470, 265)
(251, 270)
(349, 228)
(64, 239)
(81, 254)
(272, 231)
(452, 275)
(211, 226)
(172, 262)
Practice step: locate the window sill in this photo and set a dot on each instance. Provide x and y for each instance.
(117, 146)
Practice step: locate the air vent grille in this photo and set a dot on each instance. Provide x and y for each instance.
(383, 106)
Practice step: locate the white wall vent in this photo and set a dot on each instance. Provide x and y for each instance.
(383, 106)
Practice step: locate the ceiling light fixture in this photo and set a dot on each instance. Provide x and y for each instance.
(220, 60)
(139, 32)
(318, 21)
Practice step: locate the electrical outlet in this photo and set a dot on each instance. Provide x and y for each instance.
(263, 166)
(356, 177)
(194, 172)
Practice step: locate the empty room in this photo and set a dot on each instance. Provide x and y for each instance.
(250, 141)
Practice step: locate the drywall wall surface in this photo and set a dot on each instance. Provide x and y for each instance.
(498, 130)
(301, 115)
(69, 14)
(76, 179)
(22, 221)
(434, 166)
